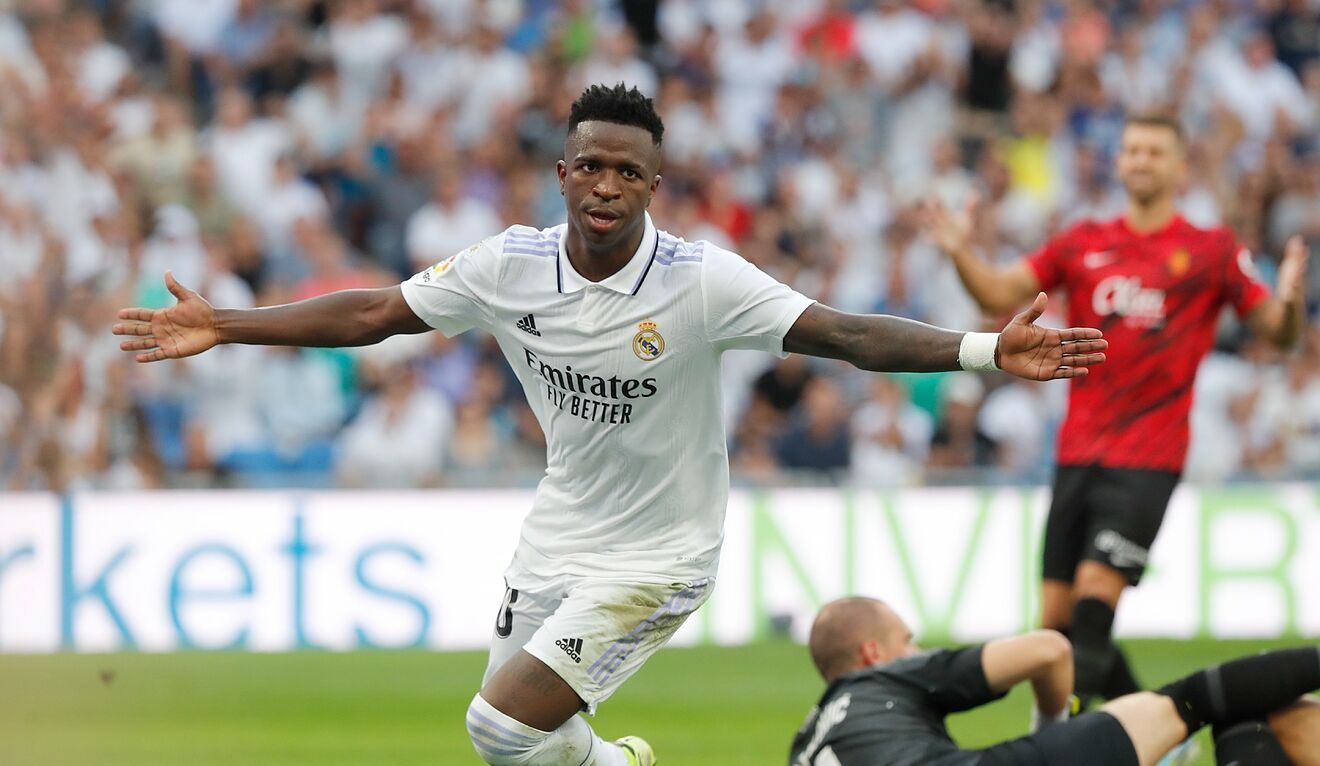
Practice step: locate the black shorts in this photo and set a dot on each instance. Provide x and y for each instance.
(1091, 739)
(1110, 515)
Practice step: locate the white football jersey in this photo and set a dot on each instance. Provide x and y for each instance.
(623, 376)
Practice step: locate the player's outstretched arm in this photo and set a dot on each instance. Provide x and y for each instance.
(1042, 657)
(996, 290)
(191, 326)
(890, 344)
(1280, 319)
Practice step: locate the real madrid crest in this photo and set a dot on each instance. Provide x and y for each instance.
(647, 343)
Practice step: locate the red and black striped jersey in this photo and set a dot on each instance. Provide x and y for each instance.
(1157, 297)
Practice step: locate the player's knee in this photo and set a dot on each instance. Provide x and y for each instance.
(499, 739)
(1055, 646)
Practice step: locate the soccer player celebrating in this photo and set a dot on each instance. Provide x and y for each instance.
(615, 330)
(886, 701)
(1155, 285)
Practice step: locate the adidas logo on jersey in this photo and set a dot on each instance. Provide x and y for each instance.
(572, 647)
(528, 325)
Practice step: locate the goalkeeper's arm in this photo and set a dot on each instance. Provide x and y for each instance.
(1043, 657)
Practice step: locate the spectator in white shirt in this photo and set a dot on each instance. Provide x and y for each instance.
(290, 199)
(400, 438)
(505, 85)
(1131, 78)
(324, 117)
(751, 65)
(891, 437)
(449, 222)
(245, 149)
(101, 65)
(434, 72)
(1264, 94)
(615, 60)
(364, 42)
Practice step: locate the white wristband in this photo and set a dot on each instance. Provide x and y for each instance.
(977, 351)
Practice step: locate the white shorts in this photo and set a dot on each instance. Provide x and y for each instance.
(595, 634)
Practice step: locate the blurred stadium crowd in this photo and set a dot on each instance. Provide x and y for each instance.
(271, 151)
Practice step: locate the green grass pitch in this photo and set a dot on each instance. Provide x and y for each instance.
(699, 707)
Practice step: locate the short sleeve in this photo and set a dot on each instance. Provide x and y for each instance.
(1050, 261)
(1243, 288)
(745, 307)
(454, 295)
(954, 679)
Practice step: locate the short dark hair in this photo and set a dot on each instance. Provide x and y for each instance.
(1158, 120)
(620, 105)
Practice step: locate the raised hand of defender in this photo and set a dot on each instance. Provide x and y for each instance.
(951, 231)
(184, 329)
(1043, 353)
(1292, 271)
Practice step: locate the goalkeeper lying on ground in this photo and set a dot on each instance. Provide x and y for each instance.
(886, 701)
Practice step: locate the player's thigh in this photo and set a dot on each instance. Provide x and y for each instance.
(520, 615)
(1128, 507)
(1298, 729)
(1151, 721)
(603, 632)
(1092, 739)
(1067, 522)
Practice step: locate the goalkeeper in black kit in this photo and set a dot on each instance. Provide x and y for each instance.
(886, 701)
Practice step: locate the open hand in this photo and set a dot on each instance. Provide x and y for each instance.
(1292, 271)
(1042, 353)
(951, 231)
(184, 329)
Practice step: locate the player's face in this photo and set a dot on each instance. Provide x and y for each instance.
(894, 638)
(608, 176)
(905, 644)
(1151, 162)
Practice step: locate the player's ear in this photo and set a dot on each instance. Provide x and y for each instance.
(655, 184)
(561, 168)
(872, 653)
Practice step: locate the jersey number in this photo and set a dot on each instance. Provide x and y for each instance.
(504, 620)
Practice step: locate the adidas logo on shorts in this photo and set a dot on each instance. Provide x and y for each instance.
(572, 647)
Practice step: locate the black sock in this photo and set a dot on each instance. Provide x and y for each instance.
(1250, 743)
(1120, 680)
(1093, 649)
(1245, 689)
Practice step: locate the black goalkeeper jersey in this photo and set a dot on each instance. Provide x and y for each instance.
(893, 714)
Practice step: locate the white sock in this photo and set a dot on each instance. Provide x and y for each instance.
(504, 741)
(602, 753)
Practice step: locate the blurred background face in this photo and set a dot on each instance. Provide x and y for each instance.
(1151, 162)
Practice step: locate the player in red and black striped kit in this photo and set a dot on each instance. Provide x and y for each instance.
(1155, 284)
